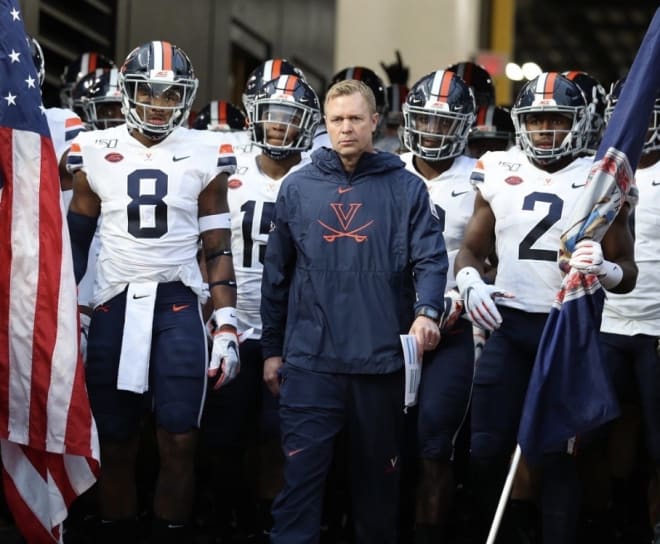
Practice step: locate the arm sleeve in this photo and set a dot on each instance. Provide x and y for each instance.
(279, 264)
(81, 231)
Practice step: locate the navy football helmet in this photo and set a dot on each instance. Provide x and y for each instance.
(103, 103)
(652, 140)
(285, 115)
(596, 97)
(371, 80)
(478, 79)
(157, 70)
(38, 58)
(437, 115)
(550, 92)
(221, 116)
(74, 71)
(262, 74)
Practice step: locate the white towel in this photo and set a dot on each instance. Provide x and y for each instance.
(133, 372)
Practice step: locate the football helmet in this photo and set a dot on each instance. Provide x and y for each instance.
(596, 97)
(652, 140)
(262, 74)
(79, 67)
(550, 92)
(103, 104)
(371, 80)
(478, 79)
(80, 93)
(492, 131)
(38, 58)
(221, 116)
(158, 71)
(437, 116)
(286, 110)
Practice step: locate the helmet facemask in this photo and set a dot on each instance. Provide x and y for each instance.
(435, 134)
(155, 106)
(283, 119)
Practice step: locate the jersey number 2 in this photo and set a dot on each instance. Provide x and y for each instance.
(525, 250)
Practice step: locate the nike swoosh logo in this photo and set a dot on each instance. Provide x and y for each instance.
(343, 190)
(295, 452)
(179, 307)
(577, 186)
(454, 193)
(135, 297)
(654, 183)
(177, 159)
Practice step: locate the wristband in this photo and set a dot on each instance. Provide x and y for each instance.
(610, 275)
(225, 316)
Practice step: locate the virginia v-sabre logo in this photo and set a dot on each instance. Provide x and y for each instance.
(345, 216)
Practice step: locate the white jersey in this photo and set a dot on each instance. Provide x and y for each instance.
(453, 196)
(64, 126)
(638, 312)
(149, 229)
(251, 195)
(530, 207)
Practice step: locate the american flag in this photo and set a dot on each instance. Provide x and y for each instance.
(50, 452)
(569, 392)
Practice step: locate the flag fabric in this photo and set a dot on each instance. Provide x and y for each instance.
(569, 392)
(48, 439)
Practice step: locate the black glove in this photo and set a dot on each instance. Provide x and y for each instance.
(396, 72)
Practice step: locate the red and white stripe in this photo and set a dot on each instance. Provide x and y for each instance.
(48, 438)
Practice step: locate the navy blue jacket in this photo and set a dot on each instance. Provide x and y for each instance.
(348, 259)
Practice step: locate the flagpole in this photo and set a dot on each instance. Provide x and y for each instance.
(504, 497)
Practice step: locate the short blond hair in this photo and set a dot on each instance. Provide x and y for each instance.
(351, 86)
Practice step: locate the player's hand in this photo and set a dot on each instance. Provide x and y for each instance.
(478, 298)
(272, 374)
(224, 358)
(587, 257)
(453, 309)
(396, 72)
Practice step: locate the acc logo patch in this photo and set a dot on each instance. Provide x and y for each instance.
(234, 183)
(114, 157)
(513, 180)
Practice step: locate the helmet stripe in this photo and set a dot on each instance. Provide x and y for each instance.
(222, 111)
(290, 85)
(167, 55)
(549, 87)
(441, 84)
(157, 56)
(91, 59)
(276, 69)
(571, 75)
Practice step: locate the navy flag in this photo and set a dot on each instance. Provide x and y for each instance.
(569, 392)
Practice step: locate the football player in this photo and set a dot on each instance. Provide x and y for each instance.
(631, 324)
(492, 131)
(226, 118)
(284, 116)
(438, 113)
(596, 97)
(158, 188)
(63, 123)
(524, 196)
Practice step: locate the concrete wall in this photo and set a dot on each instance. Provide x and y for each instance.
(430, 34)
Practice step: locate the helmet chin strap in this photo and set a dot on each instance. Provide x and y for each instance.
(277, 154)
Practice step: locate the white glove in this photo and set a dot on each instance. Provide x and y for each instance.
(478, 298)
(85, 320)
(224, 356)
(588, 259)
